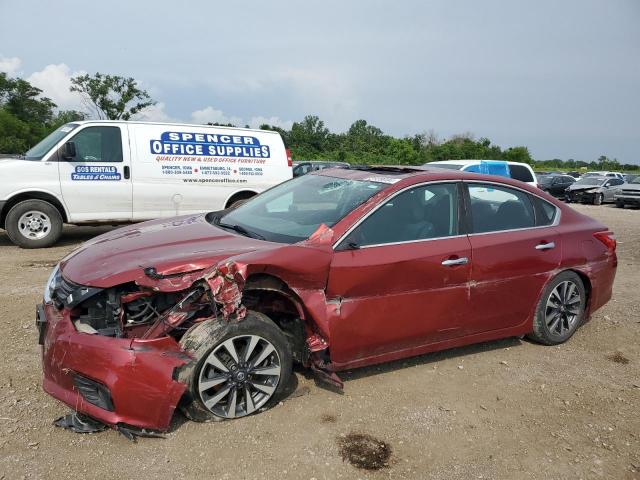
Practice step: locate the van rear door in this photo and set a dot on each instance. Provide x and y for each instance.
(96, 180)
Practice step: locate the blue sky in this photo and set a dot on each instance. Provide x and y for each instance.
(561, 77)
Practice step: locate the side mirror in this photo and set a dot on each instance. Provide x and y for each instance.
(69, 151)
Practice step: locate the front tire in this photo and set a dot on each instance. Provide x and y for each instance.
(619, 204)
(34, 224)
(237, 368)
(598, 199)
(560, 310)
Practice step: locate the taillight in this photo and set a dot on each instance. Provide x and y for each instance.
(608, 238)
(289, 161)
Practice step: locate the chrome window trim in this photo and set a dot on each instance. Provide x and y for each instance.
(395, 194)
(555, 222)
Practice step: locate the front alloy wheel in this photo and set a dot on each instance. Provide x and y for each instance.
(239, 376)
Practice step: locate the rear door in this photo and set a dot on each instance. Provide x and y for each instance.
(400, 277)
(515, 247)
(95, 183)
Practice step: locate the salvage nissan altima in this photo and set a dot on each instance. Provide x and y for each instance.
(332, 270)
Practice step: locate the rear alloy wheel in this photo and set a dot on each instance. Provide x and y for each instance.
(238, 368)
(560, 311)
(598, 199)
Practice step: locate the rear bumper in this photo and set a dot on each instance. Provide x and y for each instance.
(138, 374)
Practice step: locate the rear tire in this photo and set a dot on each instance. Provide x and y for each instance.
(224, 384)
(560, 310)
(34, 224)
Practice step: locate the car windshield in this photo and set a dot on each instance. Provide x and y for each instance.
(545, 179)
(292, 211)
(41, 149)
(587, 181)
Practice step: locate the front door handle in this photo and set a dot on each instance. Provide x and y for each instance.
(455, 261)
(546, 246)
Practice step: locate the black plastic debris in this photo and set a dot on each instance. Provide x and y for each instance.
(79, 423)
(132, 433)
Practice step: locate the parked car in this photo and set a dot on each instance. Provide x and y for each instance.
(117, 172)
(556, 185)
(630, 177)
(333, 270)
(628, 193)
(304, 167)
(603, 174)
(596, 190)
(516, 170)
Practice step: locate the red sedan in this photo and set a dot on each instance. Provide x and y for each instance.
(332, 270)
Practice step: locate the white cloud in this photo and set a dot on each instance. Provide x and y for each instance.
(10, 65)
(154, 113)
(55, 81)
(255, 122)
(212, 115)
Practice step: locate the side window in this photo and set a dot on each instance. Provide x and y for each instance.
(495, 208)
(98, 144)
(616, 181)
(545, 212)
(520, 172)
(425, 212)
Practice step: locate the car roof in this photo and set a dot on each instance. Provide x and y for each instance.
(174, 124)
(473, 162)
(408, 175)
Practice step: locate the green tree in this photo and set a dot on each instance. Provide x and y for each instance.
(111, 96)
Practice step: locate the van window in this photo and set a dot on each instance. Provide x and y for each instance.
(98, 144)
(520, 172)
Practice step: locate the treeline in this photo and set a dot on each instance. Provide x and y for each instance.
(26, 117)
(363, 143)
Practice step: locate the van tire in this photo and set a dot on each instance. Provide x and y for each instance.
(47, 224)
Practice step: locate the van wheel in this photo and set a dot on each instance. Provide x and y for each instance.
(560, 311)
(34, 224)
(237, 368)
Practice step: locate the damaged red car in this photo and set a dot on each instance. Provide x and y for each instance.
(333, 270)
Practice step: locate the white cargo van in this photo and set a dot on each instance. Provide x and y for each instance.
(94, 172)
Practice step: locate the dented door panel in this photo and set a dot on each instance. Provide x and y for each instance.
(388, 298)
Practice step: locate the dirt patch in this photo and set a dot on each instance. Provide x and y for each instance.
(328, 418)
(364, 451)
(40, 264)
(618, 357)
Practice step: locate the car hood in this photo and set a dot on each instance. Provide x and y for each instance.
(630, 186)
(575, 187)
(171, 246)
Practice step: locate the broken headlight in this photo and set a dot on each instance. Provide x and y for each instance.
(51, 284)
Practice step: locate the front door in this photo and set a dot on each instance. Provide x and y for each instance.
(399, 279)
(95, 182)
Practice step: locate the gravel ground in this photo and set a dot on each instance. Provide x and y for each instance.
(506, 409)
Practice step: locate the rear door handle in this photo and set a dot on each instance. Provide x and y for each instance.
(127, 172)
(455, 261)
(546, 246)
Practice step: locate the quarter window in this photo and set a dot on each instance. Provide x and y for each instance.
(425, 212)
(520, 172)
(496, 208)
(98, 144)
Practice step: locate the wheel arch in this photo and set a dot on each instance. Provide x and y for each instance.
(240, 195)
(272, 297)
(32, 195)
(586, 282)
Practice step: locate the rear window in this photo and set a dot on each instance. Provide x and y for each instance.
(520, 172)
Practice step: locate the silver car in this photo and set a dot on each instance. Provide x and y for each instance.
(595, 190)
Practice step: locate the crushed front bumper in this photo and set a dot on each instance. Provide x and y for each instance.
(85, 370)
